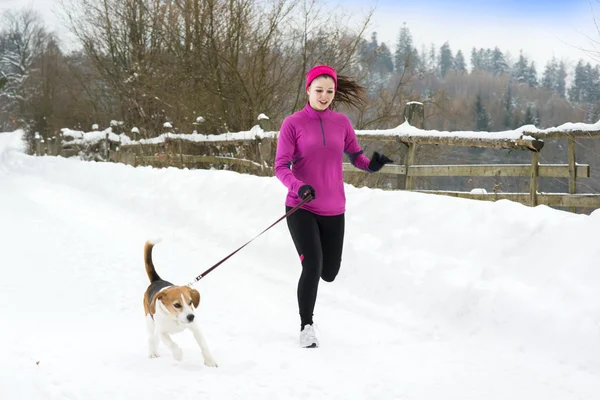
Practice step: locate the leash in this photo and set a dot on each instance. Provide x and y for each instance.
(293, 210)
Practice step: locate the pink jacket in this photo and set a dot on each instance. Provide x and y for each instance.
(310, 151)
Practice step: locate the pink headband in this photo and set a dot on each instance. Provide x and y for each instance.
(318, 71)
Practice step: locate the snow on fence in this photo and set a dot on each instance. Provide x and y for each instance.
(253, 151)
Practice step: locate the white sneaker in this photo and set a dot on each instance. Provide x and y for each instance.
(308, 338)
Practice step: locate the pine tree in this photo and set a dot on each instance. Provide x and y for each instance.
(561, 80)
(508, 107)
(446, 59)
(531, 75)
(433, 61)
(383, 63)
(520, 70)
(475, 60)
(405, 56)
(498, 64)
(529, 119)
(549, 78)
(459, 63)
(482, 117)
(577, 92)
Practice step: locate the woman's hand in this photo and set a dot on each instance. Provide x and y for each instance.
(306, 190)
(378, 161)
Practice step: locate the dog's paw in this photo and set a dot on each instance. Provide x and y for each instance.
(153, 355)
(210, 362)
(177, 353)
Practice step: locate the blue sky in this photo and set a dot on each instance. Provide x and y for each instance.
(541, 28)
(505, 7)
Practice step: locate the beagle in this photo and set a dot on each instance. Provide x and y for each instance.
(170, 309)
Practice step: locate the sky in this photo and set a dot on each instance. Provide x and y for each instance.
(437, 297)
(541, 28)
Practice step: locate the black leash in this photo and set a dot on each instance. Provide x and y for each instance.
(293, 210)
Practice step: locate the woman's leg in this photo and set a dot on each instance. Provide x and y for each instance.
(305, 234)
(332, 243)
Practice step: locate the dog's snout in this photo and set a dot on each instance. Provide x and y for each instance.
(190, 317)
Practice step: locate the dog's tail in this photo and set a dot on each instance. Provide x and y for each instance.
(152, 275)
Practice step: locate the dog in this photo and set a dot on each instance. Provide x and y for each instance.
(170, 309)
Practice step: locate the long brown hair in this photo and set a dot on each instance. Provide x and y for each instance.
(348, 92)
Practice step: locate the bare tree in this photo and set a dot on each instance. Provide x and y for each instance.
(22, 41)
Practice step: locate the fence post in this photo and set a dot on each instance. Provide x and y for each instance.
(106, 147)
(59, 140)
(535, 158)
(50, 146)
(414, 114)
(38, 145)
(180, 153)
(572, 170)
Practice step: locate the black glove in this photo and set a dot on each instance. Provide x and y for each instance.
(306, 190)
(378, 161)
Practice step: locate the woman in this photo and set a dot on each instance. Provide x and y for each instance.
(309, 159)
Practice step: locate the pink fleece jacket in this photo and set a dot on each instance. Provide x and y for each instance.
(310, 151)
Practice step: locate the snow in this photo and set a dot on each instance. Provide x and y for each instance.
(262, 116)
(437, 297)
(404, 130)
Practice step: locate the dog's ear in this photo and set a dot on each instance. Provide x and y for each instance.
(153, 303)
(195, 295)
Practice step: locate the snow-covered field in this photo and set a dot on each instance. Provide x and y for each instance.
(437, 298)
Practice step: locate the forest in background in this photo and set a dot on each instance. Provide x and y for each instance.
(213, 66)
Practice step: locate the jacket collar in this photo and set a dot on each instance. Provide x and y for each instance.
(312, 113)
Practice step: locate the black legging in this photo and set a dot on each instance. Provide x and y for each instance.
(319, 241)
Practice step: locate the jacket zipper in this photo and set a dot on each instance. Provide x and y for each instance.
(322, 131)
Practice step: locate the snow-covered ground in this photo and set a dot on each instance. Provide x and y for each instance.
(437, 298)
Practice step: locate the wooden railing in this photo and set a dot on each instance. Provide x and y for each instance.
(407, 171)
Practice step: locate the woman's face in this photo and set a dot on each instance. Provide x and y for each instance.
(321, 92)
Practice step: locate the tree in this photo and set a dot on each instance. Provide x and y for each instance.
(508, 107)
(22, 41)
(561, 80)
(406, 57)
(529, 118)
(499, 66)
(446, 59)
(482, 117)
(578, 90)
(521, 70)
(531, 75)
(459, 63)
(549, 78)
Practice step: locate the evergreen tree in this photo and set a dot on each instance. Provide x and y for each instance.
(383, 63)
(405, 56)
(531, 75)
(520, 70)
(433, 61)
(487, 56)
(508, 107)
(475, 60)
(529, 119)
(446, 59)
(577, 92)
(459, 63)
(498, 64)
(549, 78)
(561, 80)
(482, 117)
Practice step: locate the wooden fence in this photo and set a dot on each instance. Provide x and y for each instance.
(260, 160)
